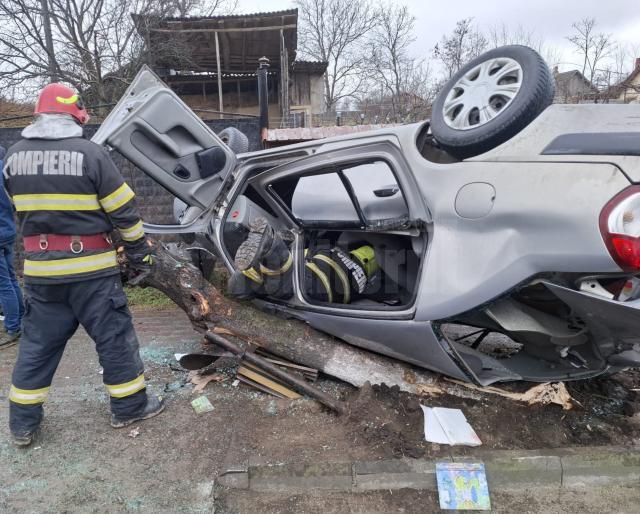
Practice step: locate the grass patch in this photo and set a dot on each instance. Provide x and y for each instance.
(147, 297)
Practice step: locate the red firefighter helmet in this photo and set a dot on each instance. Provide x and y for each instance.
(60, 99)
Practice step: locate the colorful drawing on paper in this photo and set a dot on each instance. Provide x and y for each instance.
(462, 486)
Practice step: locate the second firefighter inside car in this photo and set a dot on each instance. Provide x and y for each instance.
(264, 266)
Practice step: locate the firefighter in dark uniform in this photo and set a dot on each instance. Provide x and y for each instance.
(69, 196)
(264, 266)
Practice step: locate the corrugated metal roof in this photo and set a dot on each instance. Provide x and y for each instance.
(286, 12)
(313, 133)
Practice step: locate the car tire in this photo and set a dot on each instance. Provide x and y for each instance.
(490, 100)
(235, 140)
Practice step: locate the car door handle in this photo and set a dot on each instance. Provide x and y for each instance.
(162, 139)
(386, 192)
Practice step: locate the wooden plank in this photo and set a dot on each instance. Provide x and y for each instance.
(301, 369)
(275, 379)
(310, 377)
(256, 377)
(309, 373)
(259, 387)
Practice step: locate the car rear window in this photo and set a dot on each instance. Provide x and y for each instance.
(356, 194)
(322, 198)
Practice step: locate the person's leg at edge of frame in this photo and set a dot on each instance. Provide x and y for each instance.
(9, 259)
(47, 326)
(101, 307)
(10, 297)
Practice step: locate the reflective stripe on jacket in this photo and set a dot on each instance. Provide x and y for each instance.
(69, 186)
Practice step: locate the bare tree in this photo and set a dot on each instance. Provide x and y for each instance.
(592, 46)
(334, 31)
(183, 8)
(552, 56)
(502, 34)
(465, 43)
(94, 44)
(623, 60)
(401, 79)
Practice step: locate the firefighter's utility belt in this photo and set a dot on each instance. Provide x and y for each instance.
(64, 243)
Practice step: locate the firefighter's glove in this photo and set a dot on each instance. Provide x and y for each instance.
(140, 262)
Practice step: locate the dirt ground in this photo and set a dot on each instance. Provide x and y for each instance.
(80, 464)
(392, 421)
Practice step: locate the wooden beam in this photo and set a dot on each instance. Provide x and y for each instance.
(219, 75)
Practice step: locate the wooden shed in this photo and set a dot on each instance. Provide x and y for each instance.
(211, 62)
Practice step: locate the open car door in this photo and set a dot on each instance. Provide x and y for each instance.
(159, 133)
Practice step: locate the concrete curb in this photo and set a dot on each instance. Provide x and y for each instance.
(571, 468)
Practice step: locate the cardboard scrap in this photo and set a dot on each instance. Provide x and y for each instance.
(201, 381)
(541, 394)
(448, 426)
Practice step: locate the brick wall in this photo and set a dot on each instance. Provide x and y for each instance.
(154, 202)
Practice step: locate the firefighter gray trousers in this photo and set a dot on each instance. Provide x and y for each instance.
(52, 315)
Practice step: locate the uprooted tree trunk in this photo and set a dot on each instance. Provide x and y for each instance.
(207, 308)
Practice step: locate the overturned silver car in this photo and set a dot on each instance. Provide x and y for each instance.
(512, 256)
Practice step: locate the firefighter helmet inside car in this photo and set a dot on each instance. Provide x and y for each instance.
(60, 99)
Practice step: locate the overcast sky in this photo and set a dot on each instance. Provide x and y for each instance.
(551, 19)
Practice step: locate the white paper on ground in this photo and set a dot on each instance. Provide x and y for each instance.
(448, 426)
(433, 431)
(179, 356)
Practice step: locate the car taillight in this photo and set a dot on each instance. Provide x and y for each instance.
(620, 228)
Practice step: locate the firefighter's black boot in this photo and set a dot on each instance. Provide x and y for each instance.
(263, 263)
(24, 439)
(257, 245)
(153, 407)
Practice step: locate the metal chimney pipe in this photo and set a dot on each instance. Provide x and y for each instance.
(263, 97)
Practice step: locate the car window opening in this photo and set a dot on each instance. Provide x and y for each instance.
(358, 250)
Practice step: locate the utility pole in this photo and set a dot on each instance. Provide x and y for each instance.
(48, 39)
